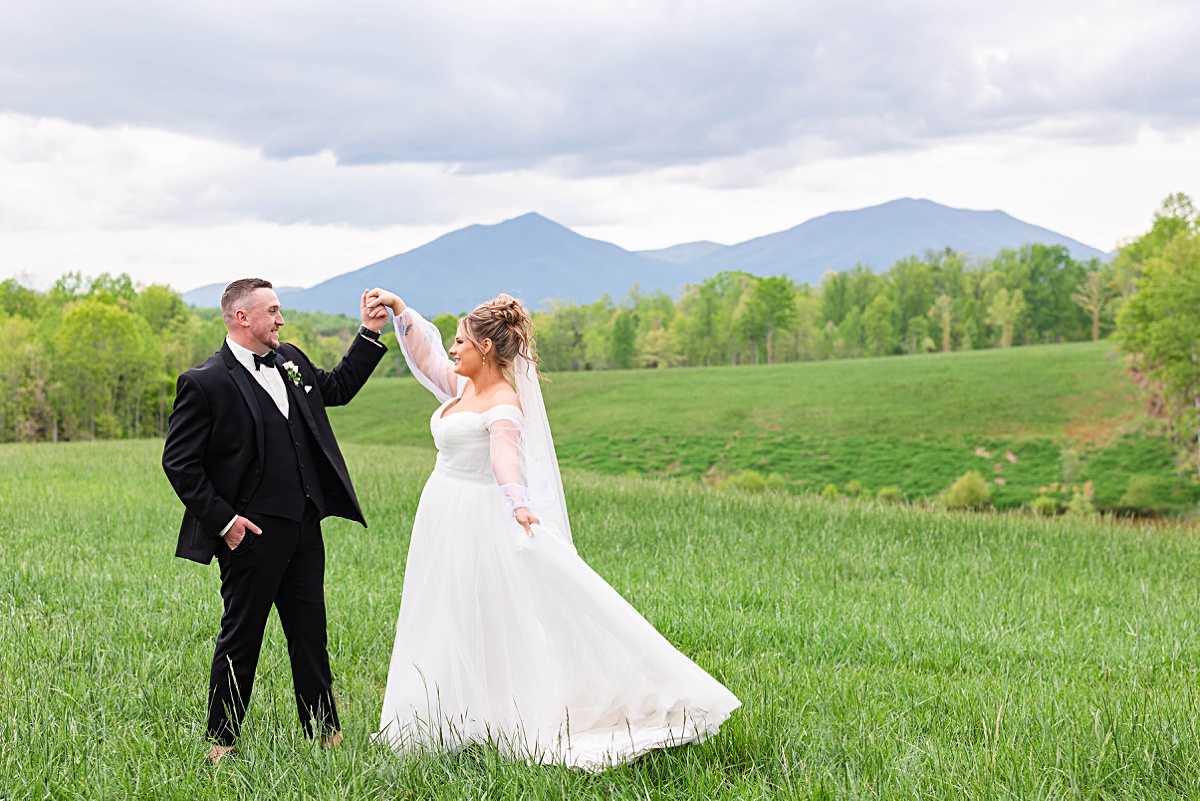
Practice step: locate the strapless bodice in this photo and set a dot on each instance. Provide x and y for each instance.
(463, 442)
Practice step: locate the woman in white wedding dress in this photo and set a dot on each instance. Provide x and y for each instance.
(505, 634)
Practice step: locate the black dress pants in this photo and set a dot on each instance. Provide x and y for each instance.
(284, 566)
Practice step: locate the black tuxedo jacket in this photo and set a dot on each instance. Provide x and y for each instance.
(213, 455)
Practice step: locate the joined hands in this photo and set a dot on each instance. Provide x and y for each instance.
(377, 302)
(374, 316)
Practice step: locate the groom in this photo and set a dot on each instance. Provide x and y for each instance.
(251, 454)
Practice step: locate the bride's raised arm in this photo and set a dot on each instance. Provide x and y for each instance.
(421, 343)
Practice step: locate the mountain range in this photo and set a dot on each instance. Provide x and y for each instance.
(539, 260)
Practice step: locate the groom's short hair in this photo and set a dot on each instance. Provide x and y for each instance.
(237, 291)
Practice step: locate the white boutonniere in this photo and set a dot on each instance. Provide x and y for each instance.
(293, 372)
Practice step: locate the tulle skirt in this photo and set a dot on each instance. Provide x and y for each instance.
(514, 640)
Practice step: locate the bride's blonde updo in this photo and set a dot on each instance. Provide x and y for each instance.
(507, 323)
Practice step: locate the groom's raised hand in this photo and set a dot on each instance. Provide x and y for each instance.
(373, 317)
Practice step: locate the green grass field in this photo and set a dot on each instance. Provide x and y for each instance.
(880, 652)
(916, 422)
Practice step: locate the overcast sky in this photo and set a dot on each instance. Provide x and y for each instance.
(193, 142)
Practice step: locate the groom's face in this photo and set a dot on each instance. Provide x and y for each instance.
(264, 318)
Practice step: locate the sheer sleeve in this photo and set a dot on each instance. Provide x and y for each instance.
(505, 430)
(421, 343)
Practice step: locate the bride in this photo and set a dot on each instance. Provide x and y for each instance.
(505, 634)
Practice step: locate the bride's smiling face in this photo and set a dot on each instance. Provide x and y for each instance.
(468, 360)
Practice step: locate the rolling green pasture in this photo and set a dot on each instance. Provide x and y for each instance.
(882, 653)
(917, 422)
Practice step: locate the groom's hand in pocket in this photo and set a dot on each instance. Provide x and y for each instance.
(237, 532)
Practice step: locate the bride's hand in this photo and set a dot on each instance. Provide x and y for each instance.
(381, 297)
(527, 519)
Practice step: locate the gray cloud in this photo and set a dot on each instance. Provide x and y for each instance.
(589, 91)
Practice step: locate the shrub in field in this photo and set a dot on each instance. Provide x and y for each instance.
(853, 488)
(1081, 505)
(890, 495)
(747, 481)
(1139, 496)
(777, 483)
(969, 491)
(830, 493)
(1044, 506)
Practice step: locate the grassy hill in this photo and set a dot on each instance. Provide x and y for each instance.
(1066, 413)
(882, 653)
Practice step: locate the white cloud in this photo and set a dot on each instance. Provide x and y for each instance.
(605, 86)
(194, 141)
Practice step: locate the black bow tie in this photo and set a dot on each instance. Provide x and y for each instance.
(268, 360)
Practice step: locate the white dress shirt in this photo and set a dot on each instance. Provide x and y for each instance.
(269, 377)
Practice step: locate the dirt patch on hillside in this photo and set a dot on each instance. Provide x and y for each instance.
(1087, 429)
(1099, 420)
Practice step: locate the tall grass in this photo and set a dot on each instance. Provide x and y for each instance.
(879, 652)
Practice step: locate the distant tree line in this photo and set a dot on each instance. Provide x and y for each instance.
(941, 301)
(98, 357)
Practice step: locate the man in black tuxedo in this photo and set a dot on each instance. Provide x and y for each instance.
(251, 454)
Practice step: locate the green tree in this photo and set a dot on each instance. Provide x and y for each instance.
(1046, 275)
(16, 334)
(696, 326)
(941, 315)
(973, 286)
(161, 307)
(879, 329)
(1004, 312)
(1092, 296)
(70, 286)
(917, 339)
(114, 288)
(1160, 327)
(806, 330)
(850, 335)
(622, 346)
(913, 289)
(560, 336)
(658, 349)
(836, 297)
(773, 300)
(18, 301)
(731, 290)
(103, 364)
(447, 326)
(597, 327)
(1176, 217)
(653, 315)
(173, 328)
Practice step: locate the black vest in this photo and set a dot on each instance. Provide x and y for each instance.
(290, 472)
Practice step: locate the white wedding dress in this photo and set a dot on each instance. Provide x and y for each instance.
(512, 639)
